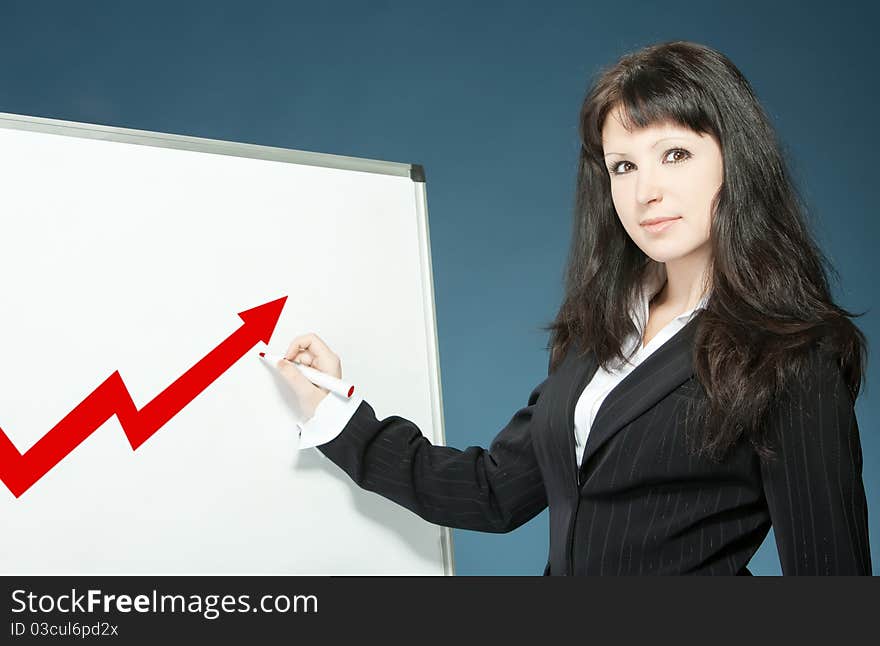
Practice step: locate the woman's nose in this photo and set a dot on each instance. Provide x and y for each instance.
(648, 188)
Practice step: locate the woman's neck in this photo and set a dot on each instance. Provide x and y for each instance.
(684, 286)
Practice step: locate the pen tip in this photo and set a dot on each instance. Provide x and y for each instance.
(262, 354)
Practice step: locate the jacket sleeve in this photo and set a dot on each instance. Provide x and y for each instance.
(494, 490)
(814, 486)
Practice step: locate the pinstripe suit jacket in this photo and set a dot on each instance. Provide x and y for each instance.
(638, 503)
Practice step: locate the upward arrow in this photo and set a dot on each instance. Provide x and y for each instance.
(19, 472)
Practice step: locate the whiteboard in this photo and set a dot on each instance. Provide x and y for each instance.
(126, 258)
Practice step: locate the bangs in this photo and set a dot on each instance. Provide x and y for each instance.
(642, 98)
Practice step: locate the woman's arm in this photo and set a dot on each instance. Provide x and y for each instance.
(814, 485)
(491, 491)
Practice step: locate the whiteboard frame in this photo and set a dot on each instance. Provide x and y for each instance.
(271, 153)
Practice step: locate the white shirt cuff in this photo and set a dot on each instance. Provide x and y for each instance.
(331, 416)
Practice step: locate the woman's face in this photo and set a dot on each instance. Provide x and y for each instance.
(662, 172)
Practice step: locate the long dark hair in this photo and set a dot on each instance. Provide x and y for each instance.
(769, 304)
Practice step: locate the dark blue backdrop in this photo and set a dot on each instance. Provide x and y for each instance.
(486, 97)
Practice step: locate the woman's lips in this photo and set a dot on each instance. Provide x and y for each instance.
(660, 226)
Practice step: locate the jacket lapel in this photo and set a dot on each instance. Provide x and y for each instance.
(663, 371)
(578, 371)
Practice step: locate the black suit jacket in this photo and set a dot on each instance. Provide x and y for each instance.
(639, 504)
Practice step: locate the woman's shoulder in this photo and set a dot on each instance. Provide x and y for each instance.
(815, 371)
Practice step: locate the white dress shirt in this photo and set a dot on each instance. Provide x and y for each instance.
(333, 412)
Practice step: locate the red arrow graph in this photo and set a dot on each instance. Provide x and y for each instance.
(19, 472)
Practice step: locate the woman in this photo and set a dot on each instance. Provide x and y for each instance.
(701, 383)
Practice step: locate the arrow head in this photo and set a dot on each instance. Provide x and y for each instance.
(261, 320)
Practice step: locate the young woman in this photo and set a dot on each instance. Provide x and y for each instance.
(702, 382)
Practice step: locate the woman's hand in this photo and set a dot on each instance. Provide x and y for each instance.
(308, 350)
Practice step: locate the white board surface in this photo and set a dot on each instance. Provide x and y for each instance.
(133, 251)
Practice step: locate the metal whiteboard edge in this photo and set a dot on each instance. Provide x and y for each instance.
(417, 173)
(421, 197)
(200, 144)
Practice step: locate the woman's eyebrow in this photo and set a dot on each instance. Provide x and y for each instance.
(653, 146)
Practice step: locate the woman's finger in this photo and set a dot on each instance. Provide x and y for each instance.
(304, 358)
(298, 380)
(312, 345)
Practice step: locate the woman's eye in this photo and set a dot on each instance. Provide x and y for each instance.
(615, 168)
(685, 154)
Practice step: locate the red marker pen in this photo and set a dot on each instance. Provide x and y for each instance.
(320, 379)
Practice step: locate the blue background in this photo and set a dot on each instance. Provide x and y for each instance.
(486, 97)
